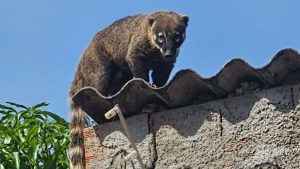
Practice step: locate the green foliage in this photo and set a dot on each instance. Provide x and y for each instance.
(31, 138)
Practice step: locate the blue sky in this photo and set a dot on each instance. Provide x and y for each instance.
(41, 41)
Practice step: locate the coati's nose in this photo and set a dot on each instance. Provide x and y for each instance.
(169, 55)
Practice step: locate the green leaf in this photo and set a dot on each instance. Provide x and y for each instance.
(7, 108)
(35, 153)
(39, 105)
(49, 163)
(17, 105)
(7, 139)
(23, 114)
(41, 117)
(33, 132)
(52, 115)
(7, 130)
(6, 112)
(21, 137)
(13, 121)
(30, 122)
(17, 159)
(8, 118)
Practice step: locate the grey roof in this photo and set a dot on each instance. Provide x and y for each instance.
(187, 87)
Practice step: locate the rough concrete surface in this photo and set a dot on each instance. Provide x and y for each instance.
(106, 145)
(256, 130)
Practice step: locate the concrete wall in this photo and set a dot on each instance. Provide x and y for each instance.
(257, 130)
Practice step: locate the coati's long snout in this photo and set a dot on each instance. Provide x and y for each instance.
(169, 52)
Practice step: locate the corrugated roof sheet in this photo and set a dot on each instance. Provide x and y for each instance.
(187, 87)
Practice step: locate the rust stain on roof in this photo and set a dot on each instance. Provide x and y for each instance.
(187, 87)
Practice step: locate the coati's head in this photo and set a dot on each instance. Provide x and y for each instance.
(167, 32)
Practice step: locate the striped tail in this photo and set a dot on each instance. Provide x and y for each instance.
(76, 148)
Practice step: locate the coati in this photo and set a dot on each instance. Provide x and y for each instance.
(130, 47)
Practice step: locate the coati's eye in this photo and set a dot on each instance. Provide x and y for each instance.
(177, 37)
(161, 37)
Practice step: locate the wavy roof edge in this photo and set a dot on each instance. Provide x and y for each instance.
(187, 87)
(279, 55)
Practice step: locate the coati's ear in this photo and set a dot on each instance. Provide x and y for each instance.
(150, 21)
(185, 19)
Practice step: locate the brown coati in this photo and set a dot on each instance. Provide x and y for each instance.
(130, 47)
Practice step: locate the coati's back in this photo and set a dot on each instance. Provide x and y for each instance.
(112, 57)
(116, 37)
(108, 45)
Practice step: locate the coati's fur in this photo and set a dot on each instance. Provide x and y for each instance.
(130, 47)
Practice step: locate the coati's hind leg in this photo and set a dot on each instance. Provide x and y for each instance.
(103, 78)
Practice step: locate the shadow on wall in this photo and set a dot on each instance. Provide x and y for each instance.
(137, 126)
(188, 120)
